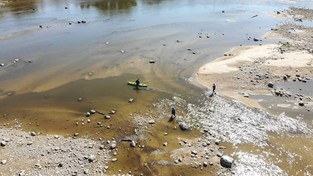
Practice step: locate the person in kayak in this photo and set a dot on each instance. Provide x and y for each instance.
(137, 83)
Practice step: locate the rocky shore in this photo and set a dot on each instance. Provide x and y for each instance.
(250, 70)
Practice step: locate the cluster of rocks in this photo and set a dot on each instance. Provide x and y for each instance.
(14, 61)
(32, 154)
(201, 153)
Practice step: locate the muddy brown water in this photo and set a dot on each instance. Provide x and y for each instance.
(60, 60)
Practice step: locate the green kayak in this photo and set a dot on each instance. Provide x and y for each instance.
(133, 83)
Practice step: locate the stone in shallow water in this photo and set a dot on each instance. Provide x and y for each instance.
(183, 126)
(226, 161)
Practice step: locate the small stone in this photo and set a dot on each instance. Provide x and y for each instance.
(93, 111)
(76, 134)
(88, 114)
(246, 95)
(205, 164)
(151, 61)
(165, 144)
(270, 84)
(3, 162)
(133, 143)
(107, 117)
(130, 100)
(114, 159)
(98, 123)
(226, 161)
(79, 99)
(91, 158)
(101, 147)
(301, 103)
(86, 171)
(183, 126)
(29, 142)
(113, 146)
(3, 143)
(33, 133)
(194, 152)
(122, 51)
(151, 121)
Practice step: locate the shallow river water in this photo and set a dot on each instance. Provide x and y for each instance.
(53, 53)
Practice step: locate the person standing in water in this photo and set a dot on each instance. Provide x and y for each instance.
(173, 116)
(137, 83)
(213, 88)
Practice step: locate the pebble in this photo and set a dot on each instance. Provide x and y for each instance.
(130, 100)
(114, 159)
(107, 117)
(194, 152)
(91, 158)
(79, 99)
(113, 145)
(3, 162)
(92, 111)
(3, 143)
(226, 161)
(151, 121)
(165, 144)
(133, 143)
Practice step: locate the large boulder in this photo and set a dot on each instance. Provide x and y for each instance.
(226, 161)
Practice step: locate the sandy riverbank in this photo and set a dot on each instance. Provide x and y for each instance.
(247, 70)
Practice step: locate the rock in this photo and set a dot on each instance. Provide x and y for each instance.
(107, 117)
(194, 152)
(33, 133)
(79, 99)
(3, 143)
(91, 158)
(86, 171)
(246, 95)
(151, 61)
(133, 143)
(113, 146)
(101, 147)
(3, 162)
(301, 103)
(183, 126)
(114, 159)
(270, 84)
(226, 161)
(88, 114)
(76, 134)
(122, 51)
(29, 142)
(93, 111)
(130, 100)
(151, 121)
(205, 164)
(256, 39)
(2, 64)
(21, 173)
(165, 144)
(112, 112)
(88, 120)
